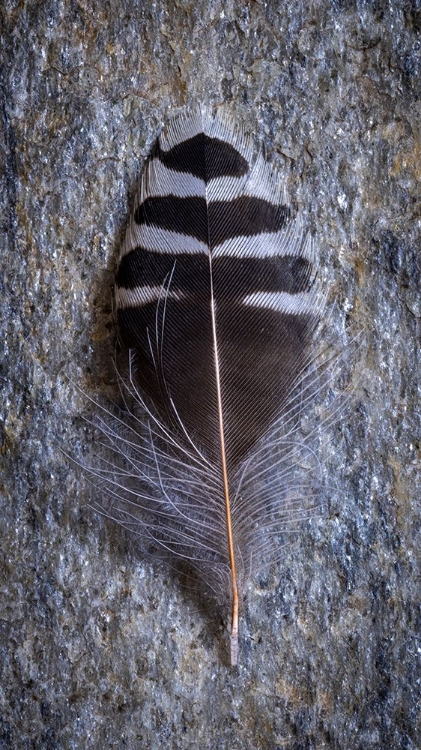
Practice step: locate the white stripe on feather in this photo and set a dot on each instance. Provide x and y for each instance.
(158, 180)
(292, 304)
(142, 295)
(161, 181)
(308, 249)
(161, 241)
(287, 242)
(265, 245)
(265, 183)
(253, 185)
(226, 188)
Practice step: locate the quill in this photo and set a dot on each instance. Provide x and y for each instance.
(217, 300)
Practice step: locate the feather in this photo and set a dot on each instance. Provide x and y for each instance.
(217, 300)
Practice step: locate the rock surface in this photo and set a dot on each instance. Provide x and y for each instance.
(99, 648)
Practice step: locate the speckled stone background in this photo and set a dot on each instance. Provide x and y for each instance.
(99, 649)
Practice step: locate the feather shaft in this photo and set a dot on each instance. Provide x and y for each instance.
(231, 550)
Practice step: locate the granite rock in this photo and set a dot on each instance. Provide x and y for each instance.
(100, 648)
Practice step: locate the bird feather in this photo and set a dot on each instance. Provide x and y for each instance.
(218, 301)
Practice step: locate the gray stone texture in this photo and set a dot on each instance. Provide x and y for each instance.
(100, 648)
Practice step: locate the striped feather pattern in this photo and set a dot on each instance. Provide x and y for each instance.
(217, 299)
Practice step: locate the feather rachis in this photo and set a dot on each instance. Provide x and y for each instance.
(219, 300)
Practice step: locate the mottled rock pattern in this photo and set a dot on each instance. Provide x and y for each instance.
(98, 648)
